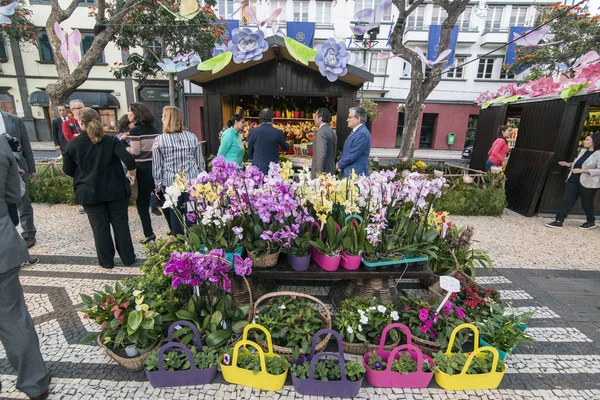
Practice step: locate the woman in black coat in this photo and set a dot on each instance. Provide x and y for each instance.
(101, 187)
(141, 138)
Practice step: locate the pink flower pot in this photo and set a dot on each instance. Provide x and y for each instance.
(324, 261)
(350, 262)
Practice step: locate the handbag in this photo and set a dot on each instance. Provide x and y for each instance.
(134, 188)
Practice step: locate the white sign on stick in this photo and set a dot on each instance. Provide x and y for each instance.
(451, 285)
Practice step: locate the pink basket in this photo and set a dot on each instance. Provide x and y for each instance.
(327, 263)
(391, 379)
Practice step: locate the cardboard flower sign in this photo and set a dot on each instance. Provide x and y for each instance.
(332, 59)
(246, 45)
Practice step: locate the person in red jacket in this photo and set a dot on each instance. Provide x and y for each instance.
(500, 148)
(70, 127)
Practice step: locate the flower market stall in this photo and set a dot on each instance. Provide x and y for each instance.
(554, 116)
(273, 77)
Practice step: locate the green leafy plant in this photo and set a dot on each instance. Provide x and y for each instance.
(301, 245)
(479, 303)
(506, 332)
(330, 242)
(363, 321)
(473, 201)
(354, 241)
(250, 360)
(404, 365)
(371, 108)
(454, 363)
(329, 370)
(178, 361)
(292, 322)
(52, 187)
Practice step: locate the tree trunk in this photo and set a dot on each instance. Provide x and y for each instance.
(409, 136)
(56, 97)
(172, 89)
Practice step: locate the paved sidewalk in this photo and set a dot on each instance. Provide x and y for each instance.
(546, 271)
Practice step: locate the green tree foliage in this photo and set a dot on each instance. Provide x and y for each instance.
(21, 28)
(577, 32)
(161, 34)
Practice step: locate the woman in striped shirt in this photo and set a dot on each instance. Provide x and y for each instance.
(175, 151)
(141, 139)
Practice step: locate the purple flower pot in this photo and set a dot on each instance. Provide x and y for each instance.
(191, 377)
(313, 387)
(299, 263)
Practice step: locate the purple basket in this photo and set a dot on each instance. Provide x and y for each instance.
(313, 387)
(191, 377)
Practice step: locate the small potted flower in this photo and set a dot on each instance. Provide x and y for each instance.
(327, 246)
(353, 244)
(327, 374)
(361, 323)
(505, 333)
(479, 303)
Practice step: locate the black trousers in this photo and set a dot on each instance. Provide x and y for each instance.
(572, 193)
(104, 215)
(173, 220)
(145, 183)
(13, 213)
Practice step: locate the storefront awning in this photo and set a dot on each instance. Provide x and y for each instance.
(90, 99)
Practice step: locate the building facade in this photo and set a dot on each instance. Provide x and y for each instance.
(26, 70)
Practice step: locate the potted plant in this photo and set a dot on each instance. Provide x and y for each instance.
(505, 333)
(431, 331)
(292, 320)
(298, 253)
(479, 370)
(361, 323)
(479, 303)
(317, 375)
(353, 243)
(258, 369)
(327, 246)
(126, 321)
(185, 366)
(372, 109)
(210, 306)
(403, 367)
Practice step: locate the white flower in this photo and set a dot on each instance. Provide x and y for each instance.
(467, 179)
(381, 309)
(364, 319)
(350, 330)
(395, 315)
(438, 173)
(372, 308)
(361, 312)
(360, 328)
(282, 307)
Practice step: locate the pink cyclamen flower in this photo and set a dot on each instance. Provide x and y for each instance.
(423, 329)
(423, 314)
(432, 335)
(460, 313)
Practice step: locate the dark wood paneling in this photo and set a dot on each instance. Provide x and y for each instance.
(525, 176)
(540, 125)
(487, 125)
(213, 121)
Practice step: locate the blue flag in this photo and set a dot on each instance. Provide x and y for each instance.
(434, 43)
(511, 49)
(390, 34)
(230, 24)
(303, 32)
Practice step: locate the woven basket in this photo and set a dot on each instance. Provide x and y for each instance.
(243, 289)
(266, 261)
(383, 289)
(133, 364)
(362, 349)
(324, 315)
(426, 346)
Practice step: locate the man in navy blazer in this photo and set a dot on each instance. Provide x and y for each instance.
(355, 154)
(264, 142)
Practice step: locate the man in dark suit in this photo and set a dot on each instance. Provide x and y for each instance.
(17, 332)
(264, 142)
(14, 126)
(324, 145)
(355, 154)
(60, 143)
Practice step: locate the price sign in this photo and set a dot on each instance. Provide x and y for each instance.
(451, 285)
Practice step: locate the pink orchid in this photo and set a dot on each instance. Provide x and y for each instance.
(544, 87)
(509, 90)
(124, 305)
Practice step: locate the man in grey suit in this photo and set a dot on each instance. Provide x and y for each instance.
(17, 332)
(325, 144)
(14, 126)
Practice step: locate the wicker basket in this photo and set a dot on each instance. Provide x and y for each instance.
(362, 349)
(426, 346)
(384, 290)
(436, 293)
(133, 364)
(324, 315)
(243, 289)
(266, 261)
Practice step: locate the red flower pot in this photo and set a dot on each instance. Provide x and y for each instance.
(277, 114)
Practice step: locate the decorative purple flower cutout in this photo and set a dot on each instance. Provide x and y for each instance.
(332, 59)
(247, 45)
(219, 49)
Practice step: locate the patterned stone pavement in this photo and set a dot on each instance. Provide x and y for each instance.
(537, 269)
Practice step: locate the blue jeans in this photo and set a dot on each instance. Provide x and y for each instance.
(488, 165)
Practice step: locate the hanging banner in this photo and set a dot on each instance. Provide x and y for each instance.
(511, 49)
(230, 25)
(303, 32)
(390, 32)
(434, 43)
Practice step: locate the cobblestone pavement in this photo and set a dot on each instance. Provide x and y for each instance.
(555, 273)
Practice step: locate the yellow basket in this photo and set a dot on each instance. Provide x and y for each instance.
(464, 381)
(263, 380)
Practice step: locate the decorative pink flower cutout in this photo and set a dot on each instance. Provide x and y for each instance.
(484, 97)
(590, 72)
(544, 87)
(509, 90)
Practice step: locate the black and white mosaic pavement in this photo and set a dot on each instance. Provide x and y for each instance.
(564, 363)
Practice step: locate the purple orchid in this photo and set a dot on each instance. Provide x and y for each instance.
(247, 45)
(332, 59)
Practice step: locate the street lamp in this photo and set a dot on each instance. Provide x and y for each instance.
(366, 42)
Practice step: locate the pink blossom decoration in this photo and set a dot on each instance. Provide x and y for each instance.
(544, 87)
(484, 97)
(509, 90)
